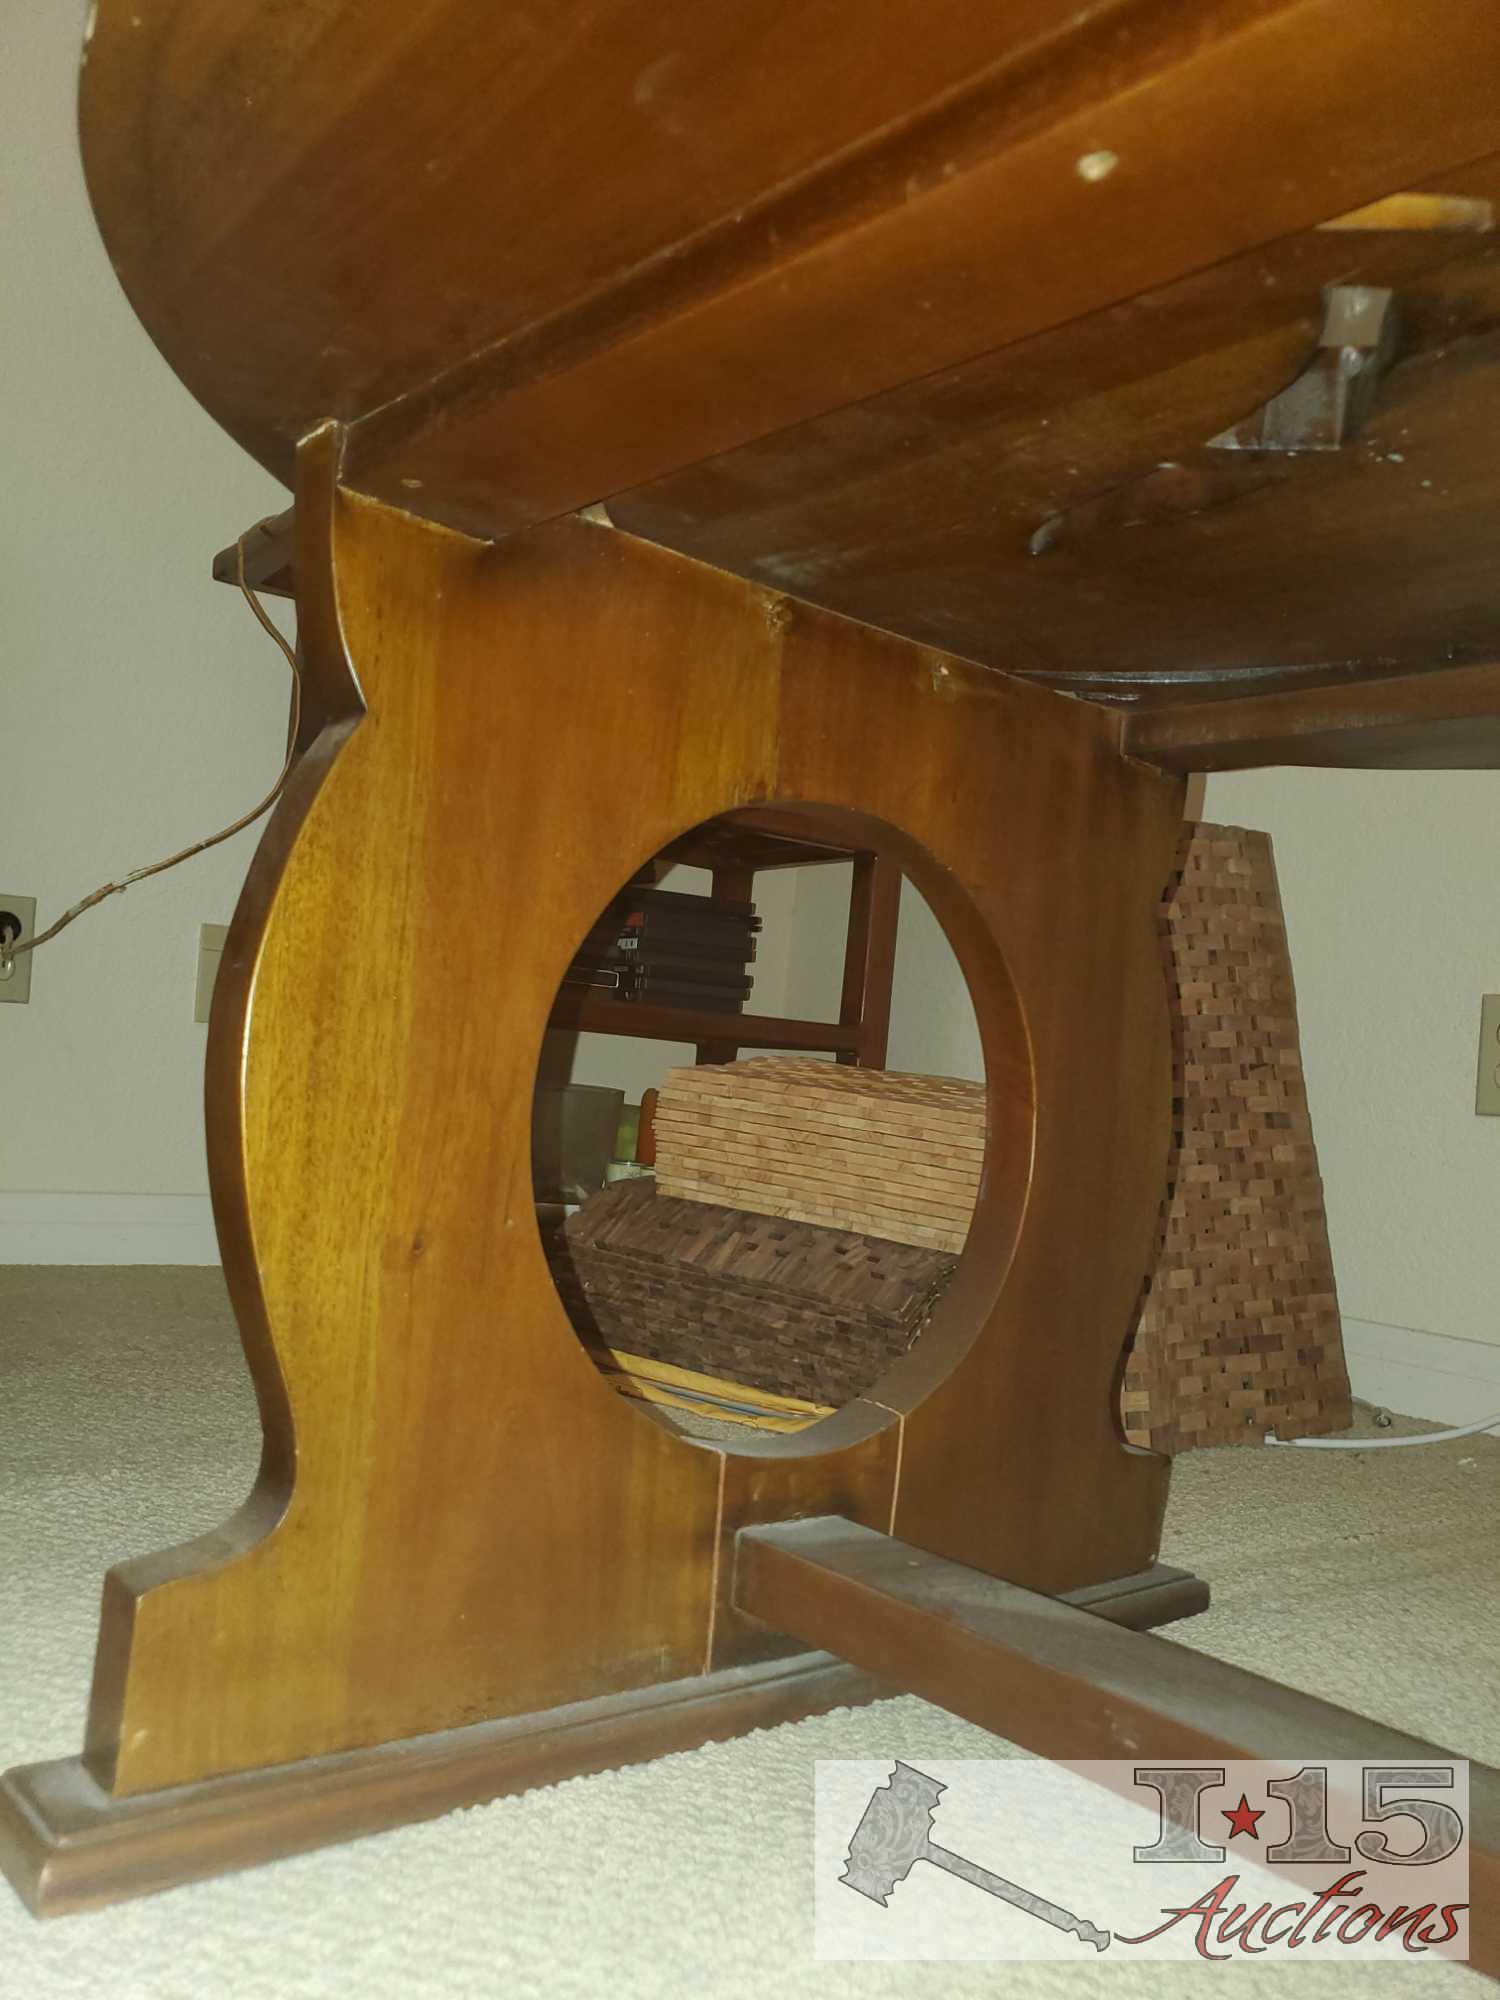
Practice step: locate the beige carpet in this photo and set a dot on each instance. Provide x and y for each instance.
(126, 1423)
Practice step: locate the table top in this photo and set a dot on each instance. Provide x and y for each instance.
(977, 324)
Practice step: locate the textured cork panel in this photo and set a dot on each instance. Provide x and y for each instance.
(1239, 1330)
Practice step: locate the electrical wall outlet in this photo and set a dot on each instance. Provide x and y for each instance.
(210, 951)
(18, 916)
(1487, 1103)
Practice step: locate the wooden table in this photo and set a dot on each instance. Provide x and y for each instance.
(955, 424)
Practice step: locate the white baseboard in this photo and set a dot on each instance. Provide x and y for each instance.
(1419, 1374)
(107, 1229)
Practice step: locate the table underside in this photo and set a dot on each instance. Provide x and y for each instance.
(940, 324)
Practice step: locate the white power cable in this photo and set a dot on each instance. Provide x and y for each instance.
(1386, 1444)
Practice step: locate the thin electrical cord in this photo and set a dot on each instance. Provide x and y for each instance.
(1387, 1444)
(11, 948)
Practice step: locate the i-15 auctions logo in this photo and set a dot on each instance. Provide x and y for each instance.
(1302, 1861)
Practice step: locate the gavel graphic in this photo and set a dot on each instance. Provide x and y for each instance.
(895, 1833)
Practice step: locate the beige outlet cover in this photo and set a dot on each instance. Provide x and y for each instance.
(210, 950)
(1487, 1103)
(15, 985)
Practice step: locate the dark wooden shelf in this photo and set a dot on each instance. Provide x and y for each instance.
(595, 1014)
(758, 839)
(735, 848)
(268, 558)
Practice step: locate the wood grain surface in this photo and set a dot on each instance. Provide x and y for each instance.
(1055, 509)
(458, 1518)
(925, 327)
(1064, 1685)
(293, 201)
(882, 1153)
(811, 1313)
(1444, 720)
(68, 1845)
(930, 323)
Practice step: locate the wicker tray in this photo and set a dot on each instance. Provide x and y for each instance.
(784, 1306)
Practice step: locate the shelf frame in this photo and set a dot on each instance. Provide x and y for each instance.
(735, 848)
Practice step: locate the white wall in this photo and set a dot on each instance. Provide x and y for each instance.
(933, 1028)
(140, 708)
(1391, 883)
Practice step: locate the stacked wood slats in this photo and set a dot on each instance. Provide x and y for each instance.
(706, 1397)
(1240, 1329)
(887, 1155)
(784, 1306)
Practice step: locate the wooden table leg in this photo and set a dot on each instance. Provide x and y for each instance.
(1047, 1675)
(458, 1523)
(870, 956)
